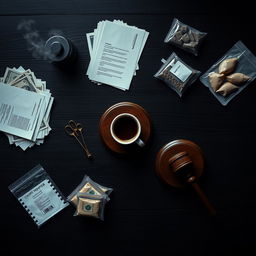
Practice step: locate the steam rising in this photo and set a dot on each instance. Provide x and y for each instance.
(36, 44)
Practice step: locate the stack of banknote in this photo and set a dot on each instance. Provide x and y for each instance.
(26, 79)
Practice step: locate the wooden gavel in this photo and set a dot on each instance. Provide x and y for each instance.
(181, 163)
(182, 166)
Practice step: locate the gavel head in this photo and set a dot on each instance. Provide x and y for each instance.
(179, 162)
(182, 166)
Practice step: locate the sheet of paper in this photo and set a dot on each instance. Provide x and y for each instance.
(116, 52)
(20, 111)
(45, 103)
(90, 38)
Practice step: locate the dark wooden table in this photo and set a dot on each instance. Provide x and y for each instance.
(144, 217)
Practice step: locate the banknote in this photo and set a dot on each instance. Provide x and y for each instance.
(25, 83)
(10, 75)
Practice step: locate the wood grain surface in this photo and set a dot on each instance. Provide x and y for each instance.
(144, 216)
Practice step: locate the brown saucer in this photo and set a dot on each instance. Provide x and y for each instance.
(169, 151)
(112, 112)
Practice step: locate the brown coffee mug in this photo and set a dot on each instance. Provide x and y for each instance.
(125, 129)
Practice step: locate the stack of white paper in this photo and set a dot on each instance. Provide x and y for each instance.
(115, 49)
(25, 106)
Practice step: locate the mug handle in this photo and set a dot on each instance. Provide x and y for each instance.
(140, 142)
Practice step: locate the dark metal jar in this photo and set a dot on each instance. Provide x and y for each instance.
(59, 49)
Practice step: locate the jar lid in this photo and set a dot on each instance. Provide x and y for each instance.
(57, 48)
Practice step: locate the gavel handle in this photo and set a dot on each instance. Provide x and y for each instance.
(204, 199)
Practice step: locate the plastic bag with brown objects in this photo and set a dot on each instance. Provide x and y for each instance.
(185, 37)
(240, 72)
(88, 186)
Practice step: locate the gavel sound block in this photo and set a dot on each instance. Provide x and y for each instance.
(180, 163)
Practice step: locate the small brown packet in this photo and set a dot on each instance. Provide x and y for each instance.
(91, 205)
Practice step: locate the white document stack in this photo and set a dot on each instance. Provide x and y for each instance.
(115, 49)
(25, 106)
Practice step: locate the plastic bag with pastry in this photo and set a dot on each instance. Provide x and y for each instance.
(238, 65)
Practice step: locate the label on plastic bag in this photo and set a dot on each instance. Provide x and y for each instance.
(42, 202)
(181, 71)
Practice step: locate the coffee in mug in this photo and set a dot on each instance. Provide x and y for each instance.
(126, 129)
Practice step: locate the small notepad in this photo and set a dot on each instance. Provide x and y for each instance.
(39, 195)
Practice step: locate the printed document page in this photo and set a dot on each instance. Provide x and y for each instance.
(20, 111)
(116, 55)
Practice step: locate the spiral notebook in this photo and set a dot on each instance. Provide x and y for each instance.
(39, 195)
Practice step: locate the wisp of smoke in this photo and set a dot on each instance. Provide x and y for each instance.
(55, 32)
(36, 44)
(34, 41)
